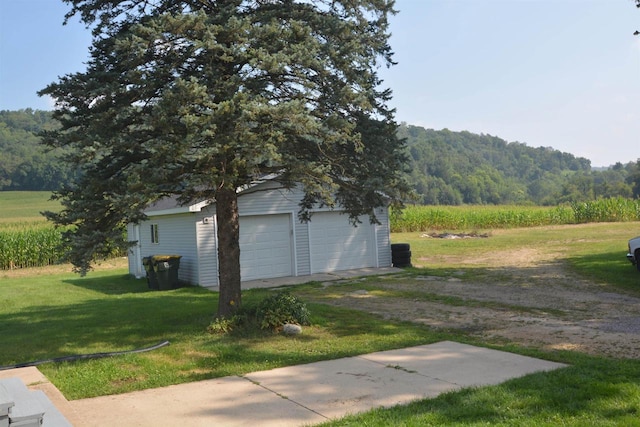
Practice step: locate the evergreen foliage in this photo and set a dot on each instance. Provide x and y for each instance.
(198, 98)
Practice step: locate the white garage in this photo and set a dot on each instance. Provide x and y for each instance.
(338, 245)
(273, 241)
(265, 247)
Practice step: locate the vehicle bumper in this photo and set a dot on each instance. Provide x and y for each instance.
(631, 259)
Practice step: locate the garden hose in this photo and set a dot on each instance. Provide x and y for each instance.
(83, 357)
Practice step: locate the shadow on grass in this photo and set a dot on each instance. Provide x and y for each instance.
(608, 267)
(111, 285)
(124, 315)
(611, 268)
(110, 322)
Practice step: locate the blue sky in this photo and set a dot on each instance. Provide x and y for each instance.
(554, 73)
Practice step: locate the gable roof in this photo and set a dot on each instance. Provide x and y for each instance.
(171, 206)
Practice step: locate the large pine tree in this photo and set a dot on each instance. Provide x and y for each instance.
(198, 98)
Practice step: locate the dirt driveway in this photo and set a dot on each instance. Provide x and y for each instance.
(526, 298)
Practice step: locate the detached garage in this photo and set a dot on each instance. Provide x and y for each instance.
(273, 242)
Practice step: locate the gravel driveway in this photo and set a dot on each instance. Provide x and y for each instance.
(527, 298)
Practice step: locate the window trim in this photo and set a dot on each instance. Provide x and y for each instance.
(154, 234)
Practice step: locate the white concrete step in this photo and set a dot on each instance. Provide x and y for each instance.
(29, 408)
(27, 411)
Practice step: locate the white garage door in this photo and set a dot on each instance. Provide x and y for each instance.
(337, 245)
(265, 247)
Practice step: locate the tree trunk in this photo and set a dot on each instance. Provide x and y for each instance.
(228, 252)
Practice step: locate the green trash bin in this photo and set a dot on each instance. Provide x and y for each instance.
(166, 270)
(149, 267)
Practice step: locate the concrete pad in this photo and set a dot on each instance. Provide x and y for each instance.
(339, 387)
(306, 394)
(29, 375)
(462, 364)
(319, 277)
(229, 401)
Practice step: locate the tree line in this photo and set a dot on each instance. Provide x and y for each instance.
(445, 167)
(25, 164)
(455, 168)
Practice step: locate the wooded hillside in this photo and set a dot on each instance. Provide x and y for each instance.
(446, 168)
(25, 164)
(452, 168)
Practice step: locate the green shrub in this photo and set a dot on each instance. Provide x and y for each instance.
(274, 311)
(221, 326)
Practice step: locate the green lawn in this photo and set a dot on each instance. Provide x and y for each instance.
(25, 206)
(592, 392)
(56, 314)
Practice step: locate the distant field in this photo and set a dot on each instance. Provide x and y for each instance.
(27, 239)
(18, 207)
(488, 217)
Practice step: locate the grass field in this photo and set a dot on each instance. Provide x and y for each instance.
(44, 316)
(24, 207)
(47, 312)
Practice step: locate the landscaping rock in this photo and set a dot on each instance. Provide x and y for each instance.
(291, 329)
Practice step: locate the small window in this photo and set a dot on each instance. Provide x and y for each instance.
(154, 233)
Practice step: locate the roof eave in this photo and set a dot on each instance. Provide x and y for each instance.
(196, 207)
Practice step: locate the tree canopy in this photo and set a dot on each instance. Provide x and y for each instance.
(452, 168)
(198, 98)
(495, 171)
(24, 163)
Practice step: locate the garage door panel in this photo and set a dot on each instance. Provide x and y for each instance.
(265, 247)
(337, 245)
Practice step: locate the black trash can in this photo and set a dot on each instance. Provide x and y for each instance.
(401, 255)
(166, 270)
(149, 267)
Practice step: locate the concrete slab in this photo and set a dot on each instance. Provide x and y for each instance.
(339, 387)
(320, 277)
(29, 375)
(462, 364)
(230, 401)
(306, 394)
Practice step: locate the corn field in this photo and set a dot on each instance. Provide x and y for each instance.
(37, 243)
(607, 210)
(427, 218)
(30, 245)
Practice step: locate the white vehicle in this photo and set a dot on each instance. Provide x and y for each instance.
(634, 252)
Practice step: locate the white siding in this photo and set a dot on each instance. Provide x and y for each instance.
(207, 249)
(177, 236)
(302, 254)
(193, 235)
(383, 238)
(338, 245)
(135, 260)
(268, 198)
